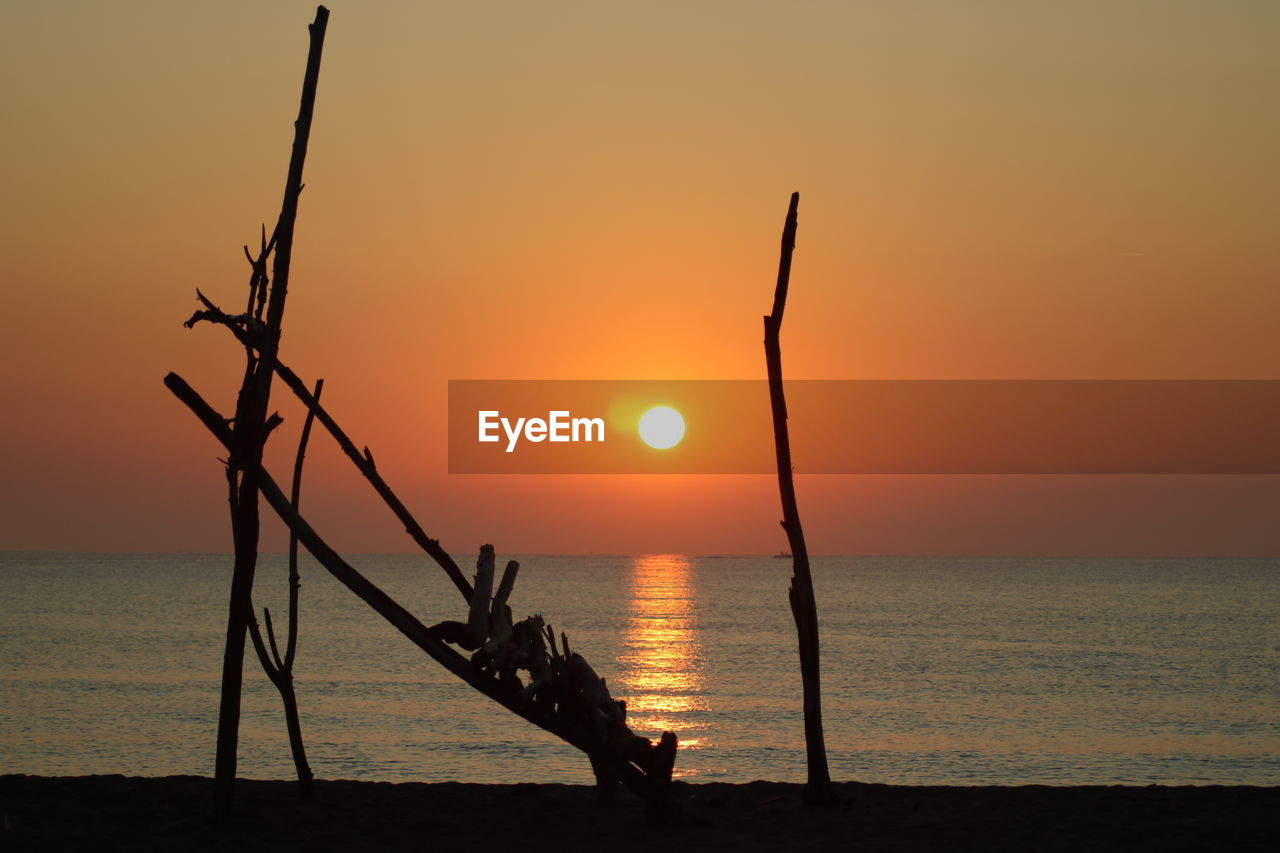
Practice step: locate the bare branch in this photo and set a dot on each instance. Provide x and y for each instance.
(260, 648)
(364, 465)
(294, 583)
(271, 636)
(818, 791)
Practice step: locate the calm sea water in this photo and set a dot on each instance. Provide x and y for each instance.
(954, 671)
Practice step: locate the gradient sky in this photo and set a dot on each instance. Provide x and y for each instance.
(595, 190)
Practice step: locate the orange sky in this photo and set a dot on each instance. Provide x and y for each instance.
(991, 190)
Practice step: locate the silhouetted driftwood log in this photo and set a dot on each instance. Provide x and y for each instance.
(818, 790)
(280, 669)
(563, 695)
(251, 428)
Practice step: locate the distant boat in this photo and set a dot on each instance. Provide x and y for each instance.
(782, 555)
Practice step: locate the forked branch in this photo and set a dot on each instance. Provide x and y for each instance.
(280, 669)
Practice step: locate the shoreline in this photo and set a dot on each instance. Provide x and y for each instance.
(174, 812)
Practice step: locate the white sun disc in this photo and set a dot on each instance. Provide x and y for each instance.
(661, 427)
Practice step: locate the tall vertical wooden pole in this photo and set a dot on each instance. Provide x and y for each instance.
(250, 435)
(818, 789)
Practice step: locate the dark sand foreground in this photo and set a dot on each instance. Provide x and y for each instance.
(117, 812)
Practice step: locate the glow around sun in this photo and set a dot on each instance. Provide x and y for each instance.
(661, 427)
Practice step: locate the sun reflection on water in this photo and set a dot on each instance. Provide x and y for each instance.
(662, 675)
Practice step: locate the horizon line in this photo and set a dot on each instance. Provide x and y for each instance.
(713, 555)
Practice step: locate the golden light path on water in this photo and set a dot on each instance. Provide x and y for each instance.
(662, 676)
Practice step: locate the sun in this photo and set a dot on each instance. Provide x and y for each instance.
(661, 427)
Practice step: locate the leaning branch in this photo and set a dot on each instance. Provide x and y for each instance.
(249, 334)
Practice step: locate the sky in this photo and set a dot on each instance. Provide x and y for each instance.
(989, 190)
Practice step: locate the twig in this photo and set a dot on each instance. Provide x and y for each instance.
(295, 583)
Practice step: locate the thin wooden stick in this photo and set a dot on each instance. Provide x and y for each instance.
(432, 547)
(370, 472)
(288, 695)
(295, 583)
(818, 790)
(280, 670)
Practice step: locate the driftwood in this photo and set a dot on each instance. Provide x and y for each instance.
(559, 692)
(818, 790)
(280, 669)
(563, 682)
(252, 428)
(612, 749)
(561, 698)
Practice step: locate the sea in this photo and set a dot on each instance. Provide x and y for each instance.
(950, 671)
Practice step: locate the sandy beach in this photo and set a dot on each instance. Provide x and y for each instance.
(118, 812)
